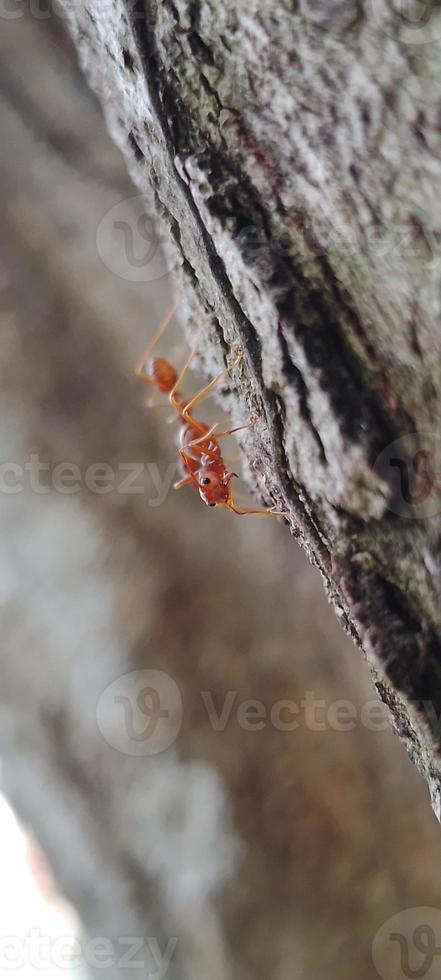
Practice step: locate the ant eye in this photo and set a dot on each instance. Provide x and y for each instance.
(205, 481)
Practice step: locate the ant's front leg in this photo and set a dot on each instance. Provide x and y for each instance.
(195, 443)
(183, 483)
(186, 480)
(153, 343)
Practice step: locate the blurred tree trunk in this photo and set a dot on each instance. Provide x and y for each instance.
(292, 152)
(256, 848)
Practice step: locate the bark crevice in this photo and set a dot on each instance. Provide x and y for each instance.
(293, 154)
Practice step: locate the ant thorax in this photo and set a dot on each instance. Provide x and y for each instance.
(191, 438)
(189, 434)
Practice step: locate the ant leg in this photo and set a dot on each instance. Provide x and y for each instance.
(219, 435)
(198, 444)
(237, 428)
(203, 393)
(181, 376)
(205, 436)
(183, 483)
(152, 343)
(191, 477)
(174, 401)
(259, 511)
(200, 395)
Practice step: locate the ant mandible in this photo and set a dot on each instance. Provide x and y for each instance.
(199, 450)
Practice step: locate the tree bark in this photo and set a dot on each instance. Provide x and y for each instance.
(293, 152)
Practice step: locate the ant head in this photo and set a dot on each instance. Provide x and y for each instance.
(163, 373)
(214, 484)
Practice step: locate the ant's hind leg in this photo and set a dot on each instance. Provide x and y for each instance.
(205, 437)
(237, 428)
(154, 341)
(186, 480)
(200, 395)
(258, 512)
(181, 376)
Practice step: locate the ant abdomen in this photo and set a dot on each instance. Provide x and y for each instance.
(163, 374)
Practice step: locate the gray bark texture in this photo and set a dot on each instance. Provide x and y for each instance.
(293, 152)
(271, 845)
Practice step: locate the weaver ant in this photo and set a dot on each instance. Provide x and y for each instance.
(199, 450)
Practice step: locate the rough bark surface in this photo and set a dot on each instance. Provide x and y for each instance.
(264, 852)
(293, 151)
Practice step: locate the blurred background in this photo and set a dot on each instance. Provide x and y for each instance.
(196, 781)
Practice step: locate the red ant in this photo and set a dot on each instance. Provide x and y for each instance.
(200, 451)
